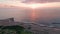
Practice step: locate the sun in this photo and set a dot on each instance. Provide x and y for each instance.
(34, 6)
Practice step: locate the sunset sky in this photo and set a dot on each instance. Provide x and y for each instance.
(32, 3)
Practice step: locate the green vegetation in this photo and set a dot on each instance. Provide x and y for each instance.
(19, 30)
(13, 30)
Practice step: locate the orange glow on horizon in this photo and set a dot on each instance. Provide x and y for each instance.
(38, 5)
(32, 5)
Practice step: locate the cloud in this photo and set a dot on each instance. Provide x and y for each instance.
(28, 1)
(24, 3)
(40, 1)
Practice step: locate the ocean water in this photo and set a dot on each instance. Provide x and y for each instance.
(31, 15)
